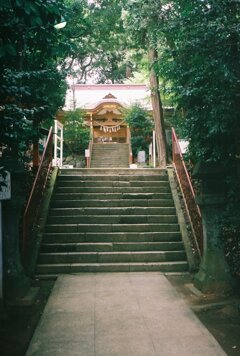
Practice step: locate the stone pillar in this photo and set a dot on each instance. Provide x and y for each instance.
(15, 282)
(214, 275)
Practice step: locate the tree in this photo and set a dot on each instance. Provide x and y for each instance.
(201, 64)
(203, 76)
(142, 20)
(31, 89)
(96, 41)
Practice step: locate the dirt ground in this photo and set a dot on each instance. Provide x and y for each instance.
(17, 323)
(221, 315)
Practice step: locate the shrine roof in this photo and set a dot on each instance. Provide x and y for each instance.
(89, 97)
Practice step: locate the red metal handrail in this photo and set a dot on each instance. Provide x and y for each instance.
(185, 183)
(32, 210)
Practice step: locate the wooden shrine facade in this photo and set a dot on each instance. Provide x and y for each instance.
(107, 121)
(104, 104)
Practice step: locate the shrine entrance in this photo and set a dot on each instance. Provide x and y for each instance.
(107, 122)
(110, 134)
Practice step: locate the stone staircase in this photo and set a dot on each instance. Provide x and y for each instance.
(105, 220)
(110, 155)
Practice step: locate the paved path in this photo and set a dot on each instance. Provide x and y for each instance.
(119, 314)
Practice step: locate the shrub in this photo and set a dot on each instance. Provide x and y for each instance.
(76, 133)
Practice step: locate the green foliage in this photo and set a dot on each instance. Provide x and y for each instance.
(141, 126)
(142, 19)
(201, 61)
(31, 87)
(96, 41)
(198, 45)
(198, 49)
(76, 134)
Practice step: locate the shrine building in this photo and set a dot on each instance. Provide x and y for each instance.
(104, 106)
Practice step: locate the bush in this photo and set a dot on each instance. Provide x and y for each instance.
(76, 134)
(141, 126)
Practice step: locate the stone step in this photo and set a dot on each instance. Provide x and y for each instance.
(110, 196)
(110, 146)
(111, 257)
(112, 203)
(56, 269)
(106, 177)
(112, 159)
(117, 157)
(109, 152)
(107, 156)
(112, 211)
(125, 173)
(119, 154)
(113, 237)
(113, 219)
(110, 149)
(77, 190)
(109, 165)
(68, 228)
(110, 162)
(111, 246)
(112, 184)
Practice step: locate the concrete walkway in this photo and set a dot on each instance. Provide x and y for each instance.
(119, 314)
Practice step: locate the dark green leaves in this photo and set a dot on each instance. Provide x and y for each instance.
(31, 86)
(76, 134)
(141, 127)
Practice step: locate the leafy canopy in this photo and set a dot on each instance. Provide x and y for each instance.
(31, 87)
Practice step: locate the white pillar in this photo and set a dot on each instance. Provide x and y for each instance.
(154, 149)
(61, 148)
(58, 144)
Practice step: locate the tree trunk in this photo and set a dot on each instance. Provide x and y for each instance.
(157, 110)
